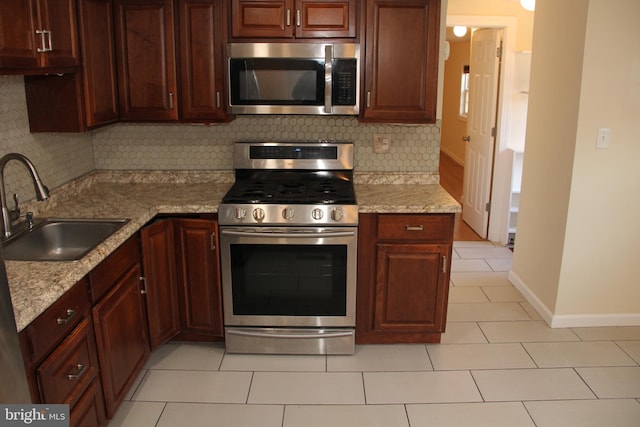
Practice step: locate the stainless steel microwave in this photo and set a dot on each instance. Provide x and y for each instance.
(294, 78)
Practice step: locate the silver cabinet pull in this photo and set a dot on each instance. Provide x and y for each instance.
(50, 47)
(41, 33)
(171, 100)
(81, 370)
(368, 99)
(71, 313)
(143, 286)
(218, 99)
(298, 18)
(212, 241)
(444, 264)
(414, 227)
(288, 17)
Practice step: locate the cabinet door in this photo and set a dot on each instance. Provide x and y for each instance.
(401, 67)
(146, 59)
(411, 287)
(98, 62)
(325, 18)
(262, 18)
(18, 22)
(121, 337)
(202, 60)
(199, 277)
(58, 17)
(159, 260)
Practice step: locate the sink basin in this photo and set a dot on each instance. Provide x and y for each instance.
(60, 239)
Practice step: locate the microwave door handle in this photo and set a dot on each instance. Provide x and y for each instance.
(328, 72)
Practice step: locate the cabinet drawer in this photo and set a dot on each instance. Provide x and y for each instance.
(58, 320)
(67, 372)
(109, 271)
(429, 227)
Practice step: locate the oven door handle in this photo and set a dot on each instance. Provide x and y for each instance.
(259, 334)
(289, 234)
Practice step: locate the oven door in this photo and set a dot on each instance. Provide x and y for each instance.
(289, 277)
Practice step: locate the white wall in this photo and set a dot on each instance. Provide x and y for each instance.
(575, 256)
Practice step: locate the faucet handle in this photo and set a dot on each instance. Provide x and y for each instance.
(15, 212)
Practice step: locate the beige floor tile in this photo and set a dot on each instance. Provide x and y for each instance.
(307, 388)
(632, 348)
(573, 354)
(188, 356)
(392, 357)
(499, 264)
(484, 252)
(478, 356)
(531, 384)
(194, 386)
(479, 312)
(268, 362)
(503, 294)
(585, 413)
(480, 278)
(528, 308)
(509, 414)
(462, 333)
(609, 333)
(473, 244)
(135, 385)
(137, 414)
(209, 414)
(420, 387)
(345, 416)
(614, 382)
(461, 265)
(525, 331)
(467, 294)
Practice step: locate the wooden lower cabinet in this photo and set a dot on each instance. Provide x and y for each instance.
(159, 259)
(120, 324)
(199, 278)
(403, 277)
(61, 359)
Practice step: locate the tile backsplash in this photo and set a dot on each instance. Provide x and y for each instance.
(123, 146)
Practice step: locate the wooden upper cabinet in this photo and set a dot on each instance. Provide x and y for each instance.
(37, 35)
(145, 46)
(289, 18)
(401, 65)
(202, 60)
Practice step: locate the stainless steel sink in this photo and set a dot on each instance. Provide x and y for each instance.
(60, 239)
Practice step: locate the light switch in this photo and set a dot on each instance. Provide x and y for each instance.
(604, 135)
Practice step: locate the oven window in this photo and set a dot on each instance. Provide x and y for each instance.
(289, 280)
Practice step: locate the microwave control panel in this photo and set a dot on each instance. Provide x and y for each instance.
(344, 82)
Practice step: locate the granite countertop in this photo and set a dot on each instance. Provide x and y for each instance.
(140, 196)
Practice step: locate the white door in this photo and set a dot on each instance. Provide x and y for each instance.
(484, 68)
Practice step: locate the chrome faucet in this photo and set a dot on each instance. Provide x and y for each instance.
(42, 192)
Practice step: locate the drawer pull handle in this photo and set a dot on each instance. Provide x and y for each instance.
(65, 320)
(414, 227)
(81, 369)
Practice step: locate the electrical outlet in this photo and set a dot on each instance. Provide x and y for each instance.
(381, 143)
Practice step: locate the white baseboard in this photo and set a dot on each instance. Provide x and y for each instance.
(453, 156)
(572, 320)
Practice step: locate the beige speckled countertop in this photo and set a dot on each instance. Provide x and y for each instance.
(140, 196)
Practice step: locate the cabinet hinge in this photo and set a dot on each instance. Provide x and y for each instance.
(143, 285)
(494, 132)
(499, 52)
(444, 264)
(487, 207)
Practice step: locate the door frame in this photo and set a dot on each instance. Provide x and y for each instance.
(501, 182)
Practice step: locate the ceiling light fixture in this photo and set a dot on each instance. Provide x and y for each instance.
(528, 4)
(459, 31)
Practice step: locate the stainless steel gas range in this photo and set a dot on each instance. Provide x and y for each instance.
(288, 238)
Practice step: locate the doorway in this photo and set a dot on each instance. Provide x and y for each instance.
(498, 222)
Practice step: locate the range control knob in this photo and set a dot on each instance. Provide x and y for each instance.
(336, 214)
(317, 214)
(287, 213)
(258, 214)
(240, 213)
